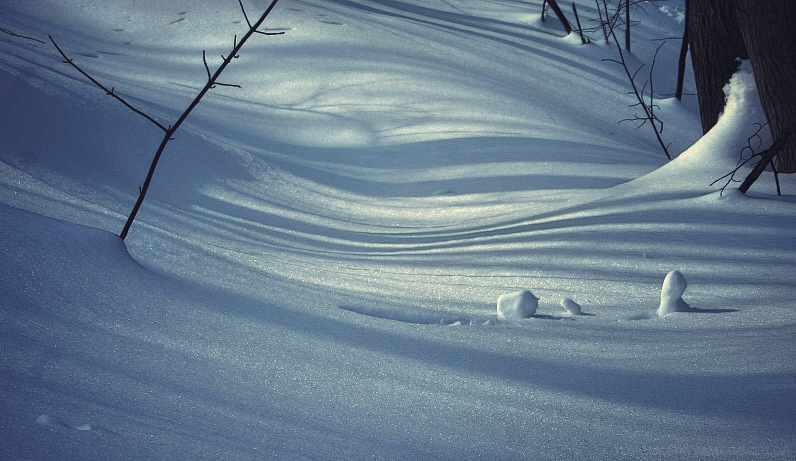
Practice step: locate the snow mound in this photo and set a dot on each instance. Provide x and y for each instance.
(50, 421)
(518, 305)
(674, 286)
(571, 307)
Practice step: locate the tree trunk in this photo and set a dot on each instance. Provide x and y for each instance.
(560, 15)
(716, 43)
(767, 30)
(678, 92)
(627, 25)
(720, 32)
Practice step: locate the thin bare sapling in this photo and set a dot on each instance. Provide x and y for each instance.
(168, 131)
(583, 39)
(648, 107)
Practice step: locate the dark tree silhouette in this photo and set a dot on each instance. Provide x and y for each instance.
(720, 32)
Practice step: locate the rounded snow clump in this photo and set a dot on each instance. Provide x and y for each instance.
(571, 306)
(674, 286)
(518, 305)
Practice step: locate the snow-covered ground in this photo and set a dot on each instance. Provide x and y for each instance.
(315, 271)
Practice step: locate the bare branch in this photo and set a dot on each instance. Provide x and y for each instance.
(14, 34)
(212, 81)
(651, 80)
(649, 109)
(207, 68)
(108, 92)
(268, 33)
(584, 40)
(767, 158)
(245, 16)
(749, 153)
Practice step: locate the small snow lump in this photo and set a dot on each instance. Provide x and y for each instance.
(571, 306)
(674, 286)
(518, 305)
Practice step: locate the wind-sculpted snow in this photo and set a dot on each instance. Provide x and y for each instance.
(674, 286)
(316, 271)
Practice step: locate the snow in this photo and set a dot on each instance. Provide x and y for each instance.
(571, 307)
(313, 274)
(674, 286)
(517, 305)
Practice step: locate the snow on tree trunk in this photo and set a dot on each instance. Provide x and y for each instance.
(720, 32)
(767, 29)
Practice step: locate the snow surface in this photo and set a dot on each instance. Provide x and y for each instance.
(314, 272)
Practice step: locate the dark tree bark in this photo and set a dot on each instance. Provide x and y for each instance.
(627, 25)
(767, 29)
(559, 14)
(716, 43)
(678, 92)
(720, 32)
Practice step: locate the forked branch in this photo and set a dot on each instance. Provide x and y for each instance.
(257, 26)
(212, 82)
(765, 159)
(648, 107)
(14, 34)
(110, 92)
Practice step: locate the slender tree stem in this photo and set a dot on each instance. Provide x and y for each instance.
(627, 25)
(649, 109)
(211, 82)
(678, 93)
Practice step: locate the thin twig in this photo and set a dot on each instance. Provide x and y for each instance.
(602, 22)
(583, 39)
(14, 34)
(649, 109)
(767, 158)
(110, 92)
(211, 83)
(240, 2)
(748, 153)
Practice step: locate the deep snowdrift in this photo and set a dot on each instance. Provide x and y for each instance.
(316, 270)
